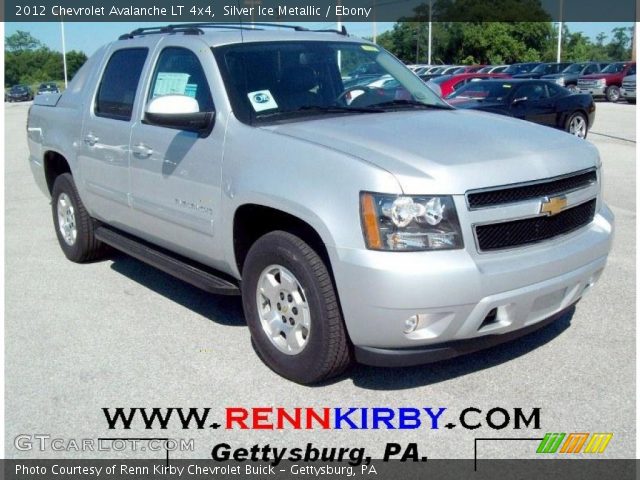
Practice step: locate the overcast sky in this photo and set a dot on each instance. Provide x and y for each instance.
(89, 36)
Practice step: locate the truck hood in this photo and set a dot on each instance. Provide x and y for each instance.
(596, 76)
(448, 152)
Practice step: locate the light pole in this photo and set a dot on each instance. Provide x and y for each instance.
(429, 55)
(64, 55)
(559, 34)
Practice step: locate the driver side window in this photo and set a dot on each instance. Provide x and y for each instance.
(532, 92)
(178, 71)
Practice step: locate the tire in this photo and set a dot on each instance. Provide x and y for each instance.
(81, 246)
(612, 93)
(632, 101)
(573, 88)
(577, 124)
(300, 285)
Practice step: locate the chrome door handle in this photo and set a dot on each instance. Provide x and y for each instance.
(141, 150)
(90, 139)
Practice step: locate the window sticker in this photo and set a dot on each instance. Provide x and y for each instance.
(190, 90)
(168, 83)
(262, 100)
(370, 48)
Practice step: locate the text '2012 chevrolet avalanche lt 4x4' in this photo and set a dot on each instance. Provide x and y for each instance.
(360, 223)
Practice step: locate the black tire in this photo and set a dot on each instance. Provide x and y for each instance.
(573, 88)
(632, 101)
(574, 115)
(612, 93)
(85, 247)
(327, 351)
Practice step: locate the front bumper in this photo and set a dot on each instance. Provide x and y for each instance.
(460, 294)
(627, 93)
(407, 357)
(594, 91)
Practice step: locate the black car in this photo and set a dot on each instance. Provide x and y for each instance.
(568, 78)
(538, 101)
(48, 87)
(520, 68)
(19, 93)
(543, 69)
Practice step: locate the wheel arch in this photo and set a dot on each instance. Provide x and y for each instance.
(55, 164)
(252, 220)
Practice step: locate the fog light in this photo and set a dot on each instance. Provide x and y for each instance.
(410, 324)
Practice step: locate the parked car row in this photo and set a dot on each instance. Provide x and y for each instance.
(24, 93)
(600, 79)
(528, 96)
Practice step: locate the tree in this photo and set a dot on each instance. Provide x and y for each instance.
(618, 48)
(28, 61)
(21, 41)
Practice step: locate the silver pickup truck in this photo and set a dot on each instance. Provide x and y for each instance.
(358, 222)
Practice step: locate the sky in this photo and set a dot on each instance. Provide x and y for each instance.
(89, 36)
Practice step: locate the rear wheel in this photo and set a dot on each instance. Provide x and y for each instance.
(577, 125)
(74, 227)
(613, 93)
(291, 307)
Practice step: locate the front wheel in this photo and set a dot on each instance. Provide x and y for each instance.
(577, 125)
(613, 93)
(292, 310)
(632, 101)
(573, 88)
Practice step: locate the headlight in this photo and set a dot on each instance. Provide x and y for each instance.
(560, 81)
(601, 82)
(409, 223)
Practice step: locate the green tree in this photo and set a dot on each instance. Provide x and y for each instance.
(28, 61)
(619, 47)
(21, 41)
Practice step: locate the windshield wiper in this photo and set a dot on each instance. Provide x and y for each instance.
(337, 109)
(319, 109)
(411, 104)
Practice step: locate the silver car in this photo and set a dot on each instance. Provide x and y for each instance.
(628, 90)
(365, 223)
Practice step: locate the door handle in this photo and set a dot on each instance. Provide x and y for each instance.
(90, 139)
(141, 150)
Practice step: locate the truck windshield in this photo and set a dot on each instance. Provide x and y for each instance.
(575, 68)
(614, 68)
(272, 81)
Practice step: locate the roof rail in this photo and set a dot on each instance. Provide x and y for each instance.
(196, 28)
(139, 32)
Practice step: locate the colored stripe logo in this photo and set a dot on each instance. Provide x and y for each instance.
(574, 443)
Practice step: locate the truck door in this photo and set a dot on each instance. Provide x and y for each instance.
(176, 174)
(103, 147)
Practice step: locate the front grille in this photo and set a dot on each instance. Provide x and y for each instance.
(586, 83)
(532, 230)
(629, 86)
(545, 188)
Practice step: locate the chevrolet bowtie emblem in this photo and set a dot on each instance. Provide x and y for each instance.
(554, 205)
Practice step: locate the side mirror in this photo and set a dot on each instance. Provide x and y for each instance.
(180, 112)
(519, 100)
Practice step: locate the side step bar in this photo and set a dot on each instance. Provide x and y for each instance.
(189, 271)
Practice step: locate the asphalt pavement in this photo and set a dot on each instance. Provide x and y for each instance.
(117, 333)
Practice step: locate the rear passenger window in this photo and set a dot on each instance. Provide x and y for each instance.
(119, 83)
(179, 72)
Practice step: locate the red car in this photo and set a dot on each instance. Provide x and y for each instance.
(469, 69)
(450, 83)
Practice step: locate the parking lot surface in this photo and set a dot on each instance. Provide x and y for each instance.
(117, 333)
